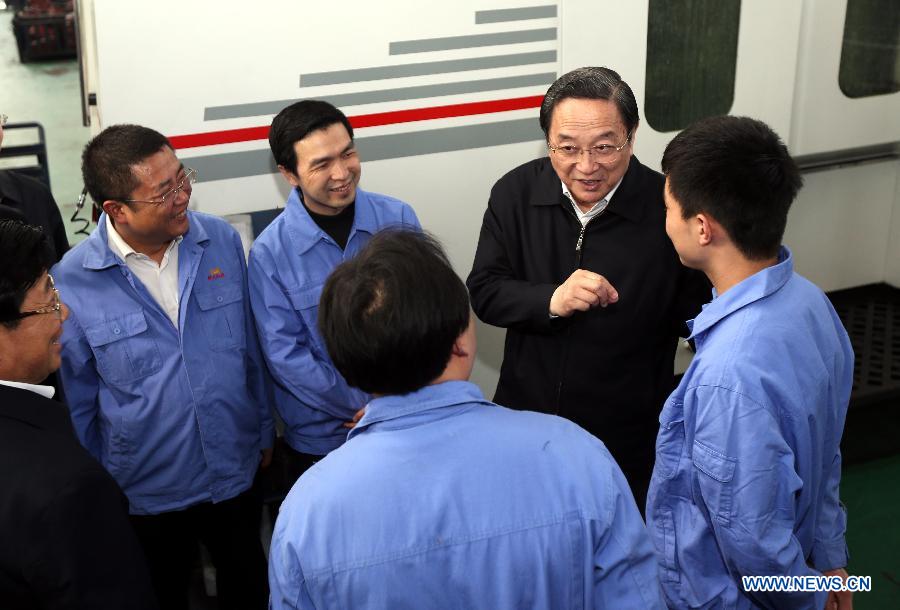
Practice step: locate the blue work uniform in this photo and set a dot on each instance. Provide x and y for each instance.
(441, 499)
(747, 458)
(179, 415)
(289, 263)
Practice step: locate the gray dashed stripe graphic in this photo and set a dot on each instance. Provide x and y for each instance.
(515, 14)
(234, 111)
(432, 67)
(375, 148)
(469, 41)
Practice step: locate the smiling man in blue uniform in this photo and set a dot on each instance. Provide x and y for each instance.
(439, 498)
(748, 458)
(326, 220)
(162, 370)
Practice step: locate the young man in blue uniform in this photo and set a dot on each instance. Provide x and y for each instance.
(162, 370)
(748, 461)
(326, 220)
(439, 498)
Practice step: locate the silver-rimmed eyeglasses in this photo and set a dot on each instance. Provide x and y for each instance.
(185, 184)
(602, 153)
(56, 307)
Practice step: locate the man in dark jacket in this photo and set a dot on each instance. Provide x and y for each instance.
(574, 261)
(66, 539)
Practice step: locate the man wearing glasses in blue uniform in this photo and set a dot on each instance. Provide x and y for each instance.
(162, 370)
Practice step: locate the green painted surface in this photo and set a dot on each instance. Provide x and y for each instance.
(871, 493)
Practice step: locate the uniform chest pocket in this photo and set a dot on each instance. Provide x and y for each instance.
(716, 473)
(670, 439)
(222, 315)
(124, 347)
(306, 303)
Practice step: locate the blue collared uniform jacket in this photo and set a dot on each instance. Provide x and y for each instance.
(747, 458)
(178, 416)
(441, 499)
(289, 263)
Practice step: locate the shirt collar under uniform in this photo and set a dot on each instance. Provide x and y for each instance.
(424, 401)
(758, 286)
(100, 256)
(304, 231)
(44, 390)
(121, 248)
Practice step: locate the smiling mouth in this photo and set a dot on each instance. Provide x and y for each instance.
(341, 189)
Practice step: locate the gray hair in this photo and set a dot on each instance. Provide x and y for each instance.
(591, 83)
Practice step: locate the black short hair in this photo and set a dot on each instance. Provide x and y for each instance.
(296, 122)
(737, 170)
(107, 160)
(26, 255)
(391, 315)
(591, 83)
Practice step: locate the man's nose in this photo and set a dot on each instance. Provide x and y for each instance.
(586, 163)
(339, 170)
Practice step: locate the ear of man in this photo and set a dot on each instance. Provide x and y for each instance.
(288, 175)
(115, 211)
(706, 228)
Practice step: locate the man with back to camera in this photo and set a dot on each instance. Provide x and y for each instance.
(326, 220)
(64, 524)
(574, 262)
(162, 370)
(439, 498)
(748, 459)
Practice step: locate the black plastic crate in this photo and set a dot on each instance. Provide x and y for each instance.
(45, 37)
(871, 315)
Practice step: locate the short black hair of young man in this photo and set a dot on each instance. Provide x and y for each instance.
(391, 315)
(107, 159)
(26, 255)
(592, 83)
(296, 122)
(737, 170)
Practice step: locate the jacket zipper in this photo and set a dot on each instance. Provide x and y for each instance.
(579, 253)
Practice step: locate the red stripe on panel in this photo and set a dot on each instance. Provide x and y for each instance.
(249, 134)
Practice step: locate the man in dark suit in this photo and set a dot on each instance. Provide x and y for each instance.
(67, 541)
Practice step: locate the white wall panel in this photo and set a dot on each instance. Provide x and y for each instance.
(839, 228)
(824, 118)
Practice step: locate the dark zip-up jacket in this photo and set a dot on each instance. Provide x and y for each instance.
(607, 369)
(65, 539)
